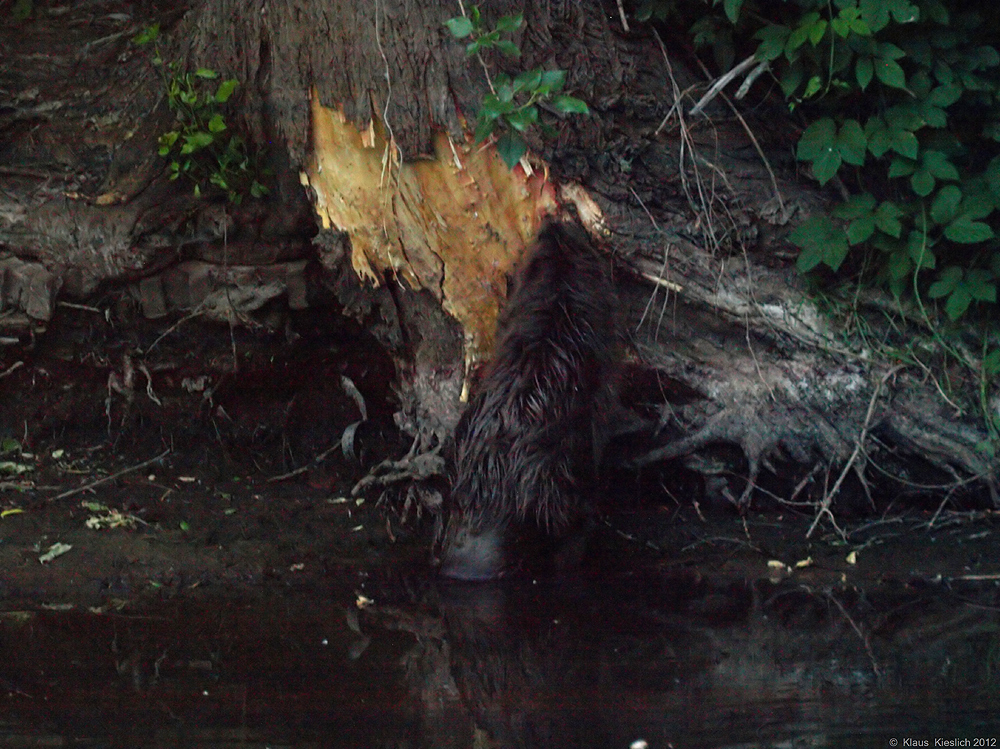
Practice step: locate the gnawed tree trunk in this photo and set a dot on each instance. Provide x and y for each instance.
(368, 105)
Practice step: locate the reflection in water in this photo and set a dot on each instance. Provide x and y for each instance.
(677, 660)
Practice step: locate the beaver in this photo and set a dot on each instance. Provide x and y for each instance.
(530, 441)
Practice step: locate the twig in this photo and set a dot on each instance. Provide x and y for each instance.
(824, 508)
(302, 469)
(722, 82)
(112, 477)
(621, 14)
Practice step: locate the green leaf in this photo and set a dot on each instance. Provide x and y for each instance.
(801, 35)
(225, 90)
(875, 13)
(511, 148)
(206, 73)
(948, 280)
(459, 27)
(945, 96)
(901, 167)
(569, 105)
(919, 249)
(196, 141)
(484, 127)
(732, 9)
(816, 140)
(958, 303)
(852, 143)
(510, 23)
(904, 143)
(864, 69)
(889, 51)
(817, 32)
(890, 73)
(509, 48)
(991, 363)
(167, 141)
(772, 42)
(922, 182)
(821, 241)
(981, 285)
(938, 164)
(812, 87)
(855, 206)
(904, 11)
(522, 119)
(887, 219)
(217, 124)
(966, 231)
(529, 80)
(552, 80)
(860, 229)
(945, 204)
(878, 135)
(147, 35)
(491, 107)
(899, 265)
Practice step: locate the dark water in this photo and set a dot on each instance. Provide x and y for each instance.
(581, 661)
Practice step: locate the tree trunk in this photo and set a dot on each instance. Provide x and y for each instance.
(369, 105)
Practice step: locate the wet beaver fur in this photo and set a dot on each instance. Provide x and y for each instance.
(529, 443)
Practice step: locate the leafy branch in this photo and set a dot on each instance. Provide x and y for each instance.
(201, 146)
(511, 107)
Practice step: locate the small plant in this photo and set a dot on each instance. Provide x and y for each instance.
(201, 146)
(512, 104)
